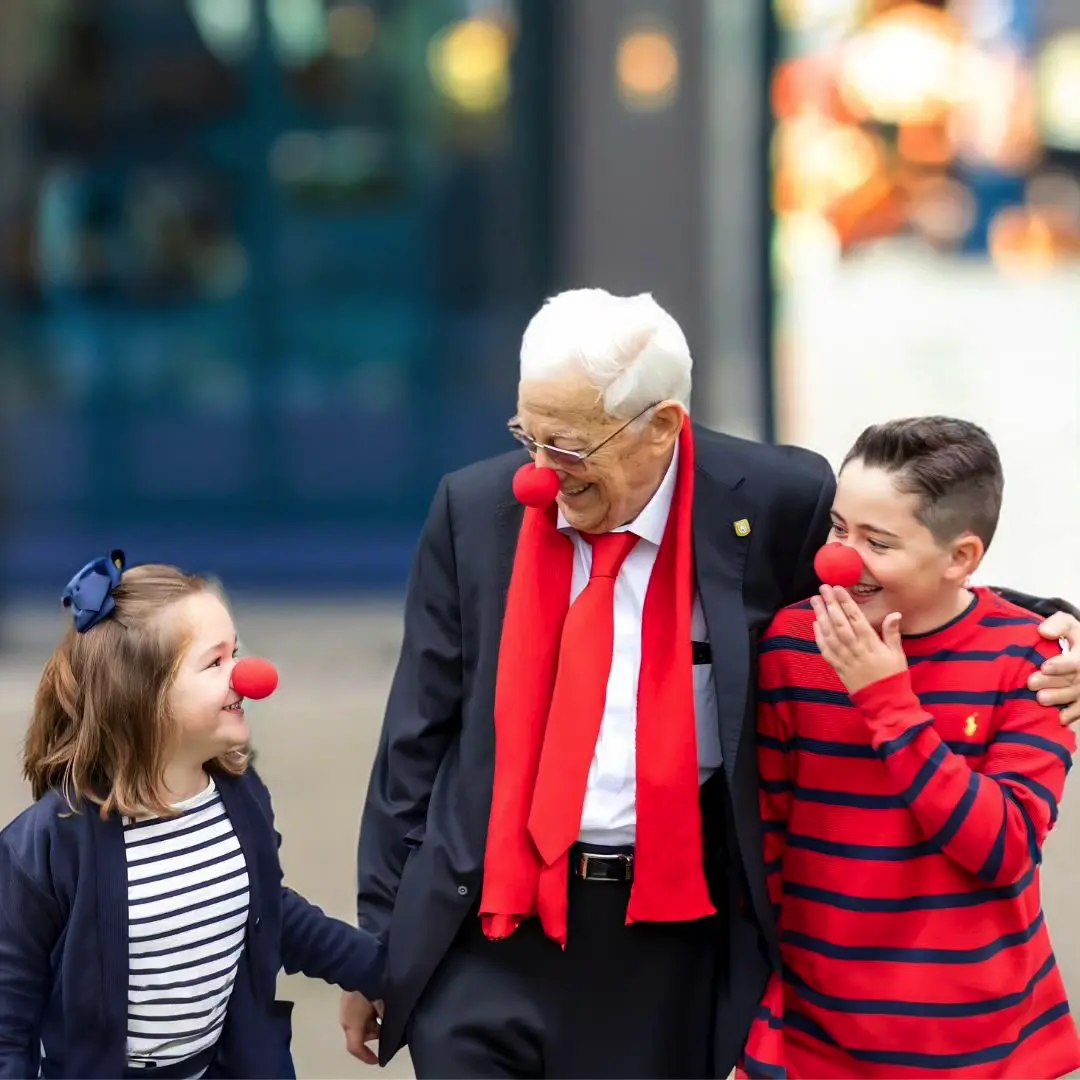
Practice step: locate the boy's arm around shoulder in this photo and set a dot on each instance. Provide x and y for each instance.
(1032, 752)
(992, 821)
(318, 945)
(31, 922)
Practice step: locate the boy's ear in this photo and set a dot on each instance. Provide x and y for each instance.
(967, 553)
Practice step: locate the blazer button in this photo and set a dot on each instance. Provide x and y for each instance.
(258, 923)
(463, 890)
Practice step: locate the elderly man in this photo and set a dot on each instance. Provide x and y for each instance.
(561, 842)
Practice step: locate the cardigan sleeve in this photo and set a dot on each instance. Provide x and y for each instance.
(322, 947)
(318, 945)
(30, 926)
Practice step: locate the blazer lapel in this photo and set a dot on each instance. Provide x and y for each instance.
(508, 517)
(719, 561)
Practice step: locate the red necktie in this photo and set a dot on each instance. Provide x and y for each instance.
(577, 702)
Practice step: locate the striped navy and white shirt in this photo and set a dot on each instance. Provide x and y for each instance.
(188, 900)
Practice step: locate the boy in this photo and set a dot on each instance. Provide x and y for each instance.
(908, 781)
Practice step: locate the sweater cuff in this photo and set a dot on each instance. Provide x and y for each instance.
(890, 707)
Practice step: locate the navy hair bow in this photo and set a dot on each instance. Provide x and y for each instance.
(88, 594)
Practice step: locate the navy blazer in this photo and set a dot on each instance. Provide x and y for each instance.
(64, 943)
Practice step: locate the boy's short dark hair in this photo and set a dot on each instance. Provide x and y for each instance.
(951, 465)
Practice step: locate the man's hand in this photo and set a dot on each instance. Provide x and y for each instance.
(1058, 680)
(851, 645)
(360, 1022)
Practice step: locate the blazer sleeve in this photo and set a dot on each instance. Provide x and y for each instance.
(31, 923)
(423, 716)
(1036, 604)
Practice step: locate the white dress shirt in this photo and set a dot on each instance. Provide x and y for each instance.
(609, 814)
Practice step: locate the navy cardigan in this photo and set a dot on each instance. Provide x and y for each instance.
(64, 944)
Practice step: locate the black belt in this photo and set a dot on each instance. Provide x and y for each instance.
(602, 864)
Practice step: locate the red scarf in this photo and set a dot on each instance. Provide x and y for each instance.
(669, 877)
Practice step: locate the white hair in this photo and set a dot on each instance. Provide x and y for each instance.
(628, 347)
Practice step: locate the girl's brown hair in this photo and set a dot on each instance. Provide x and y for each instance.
(101, 728)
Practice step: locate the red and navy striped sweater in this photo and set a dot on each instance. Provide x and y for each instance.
(903, 828)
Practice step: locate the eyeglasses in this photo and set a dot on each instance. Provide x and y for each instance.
(567, 459)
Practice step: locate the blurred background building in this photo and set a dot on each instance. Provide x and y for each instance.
(264, 264)
(925, 180)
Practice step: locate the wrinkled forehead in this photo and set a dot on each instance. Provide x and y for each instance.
(570, 405)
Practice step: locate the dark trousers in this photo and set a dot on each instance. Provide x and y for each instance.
(620, 1001)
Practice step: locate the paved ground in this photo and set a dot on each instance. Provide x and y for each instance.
(316, 738)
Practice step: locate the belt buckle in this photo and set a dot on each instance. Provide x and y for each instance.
(589, 856)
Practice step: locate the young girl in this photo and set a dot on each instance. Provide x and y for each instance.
(143, 918)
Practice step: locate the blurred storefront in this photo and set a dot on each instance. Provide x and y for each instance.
(264, 266)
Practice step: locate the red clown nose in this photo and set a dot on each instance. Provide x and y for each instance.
(254, 677)
(535, 487)
(838, 565)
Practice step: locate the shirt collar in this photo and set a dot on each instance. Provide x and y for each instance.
(652, 521)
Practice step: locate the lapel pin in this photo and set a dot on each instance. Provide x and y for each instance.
(742, 527)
